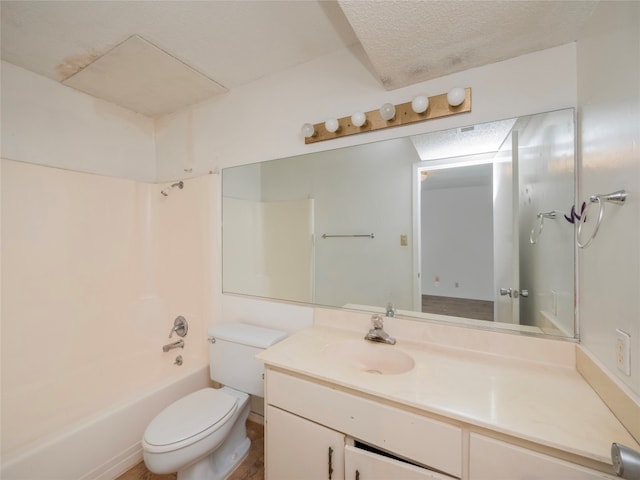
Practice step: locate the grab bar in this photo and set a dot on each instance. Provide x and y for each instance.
(326, 235)
(536, 231)
(618, 197)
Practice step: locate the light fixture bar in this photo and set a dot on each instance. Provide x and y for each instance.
(438, 107)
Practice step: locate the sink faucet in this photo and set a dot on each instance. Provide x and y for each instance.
(377, 334)
(171, 346)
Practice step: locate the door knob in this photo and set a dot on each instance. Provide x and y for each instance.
(513, 293)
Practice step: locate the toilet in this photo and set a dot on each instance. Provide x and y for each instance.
(203, 436)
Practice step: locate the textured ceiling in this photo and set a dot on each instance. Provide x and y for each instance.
(237, 42)
(412, 41)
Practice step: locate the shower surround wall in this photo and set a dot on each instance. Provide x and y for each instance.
(94, 270)
(94, 267)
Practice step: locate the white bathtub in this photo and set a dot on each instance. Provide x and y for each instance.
(88, 425)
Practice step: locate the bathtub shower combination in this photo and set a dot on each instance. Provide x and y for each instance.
(97, 435)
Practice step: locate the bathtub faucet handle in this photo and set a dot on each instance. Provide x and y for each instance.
(180, 326)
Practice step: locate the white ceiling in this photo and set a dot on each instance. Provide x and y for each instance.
(412, 41)
(237, 42)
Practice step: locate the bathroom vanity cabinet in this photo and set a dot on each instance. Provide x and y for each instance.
(316, 431)
(455, 413)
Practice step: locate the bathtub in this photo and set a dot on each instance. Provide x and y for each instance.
(89, 423)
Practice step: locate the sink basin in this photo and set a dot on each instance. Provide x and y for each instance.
(376, 358)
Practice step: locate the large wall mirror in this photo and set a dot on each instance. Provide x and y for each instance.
(470, 225)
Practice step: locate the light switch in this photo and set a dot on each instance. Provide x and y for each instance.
(403, 240)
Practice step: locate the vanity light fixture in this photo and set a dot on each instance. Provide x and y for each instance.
(332, 125)
(422, 108)
(358, 119)
(420, 104)
(308, 130)
(456, 96)
(388, 111)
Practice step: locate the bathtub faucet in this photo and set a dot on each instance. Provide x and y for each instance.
(171, 346)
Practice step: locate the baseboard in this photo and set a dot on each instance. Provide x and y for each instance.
(256, 418)
(613, 392)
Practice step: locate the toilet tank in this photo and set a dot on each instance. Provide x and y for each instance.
(232, 351)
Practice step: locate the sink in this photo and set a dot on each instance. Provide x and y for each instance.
(376, 358)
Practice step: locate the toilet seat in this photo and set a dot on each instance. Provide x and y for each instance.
(189, 419)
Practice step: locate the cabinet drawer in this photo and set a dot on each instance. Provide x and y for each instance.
(490, 459)
(362, 465)
(423, 440)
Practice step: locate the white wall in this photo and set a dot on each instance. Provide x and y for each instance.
(261, 121)
(457, 242)
(355, 192)
(47, 123)
(609, 109)
(268, 248)
(94, 269)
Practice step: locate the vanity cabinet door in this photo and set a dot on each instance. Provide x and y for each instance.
(299, 449)
(363, 465)
(492, 459)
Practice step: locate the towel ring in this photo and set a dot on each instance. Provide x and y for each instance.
(617, 197)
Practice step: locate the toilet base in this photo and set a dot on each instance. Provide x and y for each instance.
(226, 458)
(212, 469)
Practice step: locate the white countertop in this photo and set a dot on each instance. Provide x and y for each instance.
(546, 404)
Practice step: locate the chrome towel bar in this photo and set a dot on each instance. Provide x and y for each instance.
(368, 235)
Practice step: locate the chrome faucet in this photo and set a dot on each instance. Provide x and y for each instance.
(391, 312)
(171, 346)
(377, 334)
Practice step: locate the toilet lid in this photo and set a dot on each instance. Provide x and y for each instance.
(189, 416)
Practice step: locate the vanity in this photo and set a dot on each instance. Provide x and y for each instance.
(444, 402)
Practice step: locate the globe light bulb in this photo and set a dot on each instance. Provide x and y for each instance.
(420, 104)
(358, 119)
(456, 96)
(308, 130)
(332, 125)
(387, 111)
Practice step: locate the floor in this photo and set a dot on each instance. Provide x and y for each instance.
(458, 307)
(251, 469)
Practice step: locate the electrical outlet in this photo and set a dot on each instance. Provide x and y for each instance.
(623, 344)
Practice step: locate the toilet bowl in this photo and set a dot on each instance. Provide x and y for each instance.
(186, 436)
(203, 436)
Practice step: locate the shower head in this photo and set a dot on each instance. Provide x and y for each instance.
(165, 192)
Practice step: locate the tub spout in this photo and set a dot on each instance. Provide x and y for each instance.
(171, 346)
